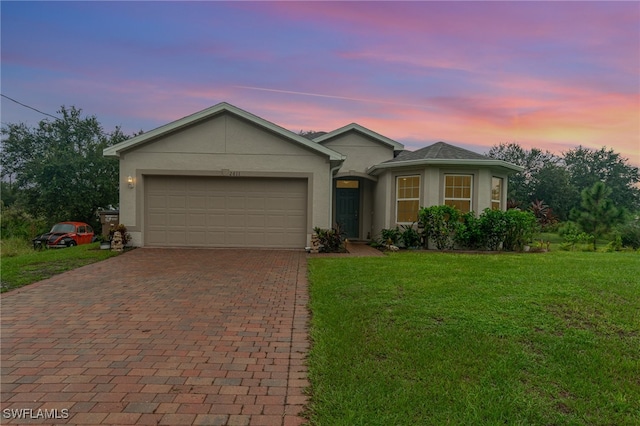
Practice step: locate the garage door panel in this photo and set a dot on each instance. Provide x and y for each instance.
(156, 201)
(176, 202)
(256, 222)
(197, 220)
(235, 202)
(177, 219)
(197, 238)
(236, 220)
(176, 237)
(197, 202)
(225, 212)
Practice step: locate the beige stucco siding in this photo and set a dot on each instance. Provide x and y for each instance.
(381, 204)
(362, 152)
(224, 145)
(431, 191)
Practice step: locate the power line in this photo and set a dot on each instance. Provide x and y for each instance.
(27, 106)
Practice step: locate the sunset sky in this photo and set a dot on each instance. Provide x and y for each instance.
(550, 75)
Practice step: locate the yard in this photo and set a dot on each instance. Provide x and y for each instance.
(21, 264)
(435, 338)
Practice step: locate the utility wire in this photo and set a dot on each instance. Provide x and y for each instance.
(27, 106)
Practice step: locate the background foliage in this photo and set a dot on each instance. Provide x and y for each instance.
(559, 180)
(56, 170)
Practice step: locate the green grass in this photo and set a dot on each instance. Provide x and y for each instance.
(21, 265)
(436, 339)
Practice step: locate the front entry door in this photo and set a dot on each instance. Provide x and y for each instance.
(348, 207)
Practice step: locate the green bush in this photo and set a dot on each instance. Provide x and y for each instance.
(568, 228)
(630, 233)
(17, 223)
(469, 235)
(579, 241)
(614, 245)
(389, 236)
(520, 228)
(496, 229)
(410, 236)
(493, 228)
(441, 225)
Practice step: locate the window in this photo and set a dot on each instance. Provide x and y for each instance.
(496, 193)
(407, 199)
(352, 184)
(457, 191)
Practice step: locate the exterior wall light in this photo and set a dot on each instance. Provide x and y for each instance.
(130, 182)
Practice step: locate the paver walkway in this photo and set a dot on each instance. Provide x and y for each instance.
(160, 336)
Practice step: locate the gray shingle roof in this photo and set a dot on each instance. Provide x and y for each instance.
(440, 151)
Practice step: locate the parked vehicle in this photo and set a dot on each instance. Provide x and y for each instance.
(65, 234)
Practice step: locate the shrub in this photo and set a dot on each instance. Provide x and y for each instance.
(493, 228)
(630, 233)
(389, 236)
(410, 236)
(568, 228)
(441, 224)
(614, 245)
(544, 214)
(331, 240)
(469, 235)
(578, 241)
(17, 223)
(520, 228)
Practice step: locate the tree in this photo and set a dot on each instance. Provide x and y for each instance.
(552, 184)
(587, 167)
(522, 185)
(57, 168)
(597, 214)
(311, 134)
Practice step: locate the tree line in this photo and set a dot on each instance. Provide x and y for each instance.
(558, 181)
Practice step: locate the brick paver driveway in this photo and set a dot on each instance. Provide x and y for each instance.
(160, 336)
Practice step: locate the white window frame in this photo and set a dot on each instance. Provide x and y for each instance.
(398, 199)
(499, 199)
(470, 199)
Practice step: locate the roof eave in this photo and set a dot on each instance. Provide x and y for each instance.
(510, 168)
(116, 150)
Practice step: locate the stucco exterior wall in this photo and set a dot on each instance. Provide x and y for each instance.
(432, 181)
(224, 145)
(382, 199)
(362, 152)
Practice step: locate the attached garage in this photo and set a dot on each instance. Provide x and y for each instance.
(197, 211)
(223, 177)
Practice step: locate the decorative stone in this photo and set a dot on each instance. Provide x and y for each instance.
(116, 242)
(315, 243)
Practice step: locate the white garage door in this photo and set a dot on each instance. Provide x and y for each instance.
(225, 212)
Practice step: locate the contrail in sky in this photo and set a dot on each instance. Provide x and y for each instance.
(330, 96)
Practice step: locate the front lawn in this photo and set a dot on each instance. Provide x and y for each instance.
(462, 339)
(29, 266)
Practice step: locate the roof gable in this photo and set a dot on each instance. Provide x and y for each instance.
(223, 107)
(358, 128)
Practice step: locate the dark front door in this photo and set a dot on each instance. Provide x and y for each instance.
(348, 207)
